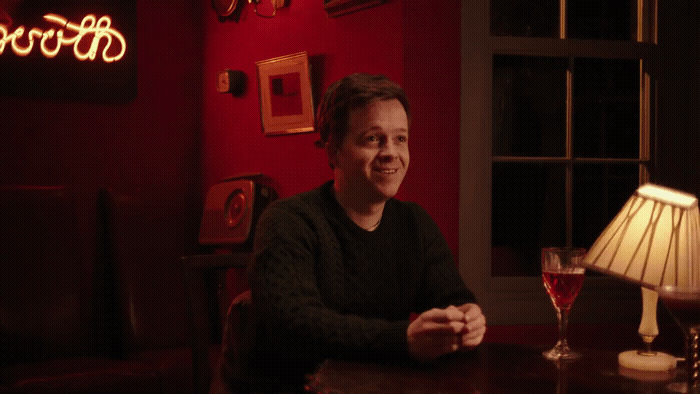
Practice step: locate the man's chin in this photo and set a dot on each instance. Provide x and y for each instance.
(385, 193)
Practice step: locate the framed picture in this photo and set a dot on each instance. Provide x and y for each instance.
(341, 7)
(286, 103)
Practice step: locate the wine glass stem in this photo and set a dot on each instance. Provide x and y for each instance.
(693, 361)
(563, 317)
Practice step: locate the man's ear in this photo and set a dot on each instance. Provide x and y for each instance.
(332, 152)
(332, 157)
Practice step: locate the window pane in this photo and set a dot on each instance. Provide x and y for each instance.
(528, 213)
(599, 192)
(602, 19)
(529, 106)
(606, 108)
(525, 18)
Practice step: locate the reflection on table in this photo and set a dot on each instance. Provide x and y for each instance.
(492, 368)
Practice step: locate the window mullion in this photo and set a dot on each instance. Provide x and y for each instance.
(645, 121)
(562, 19)
(569, 152)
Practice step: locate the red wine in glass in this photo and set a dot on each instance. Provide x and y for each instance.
(563, 287)
(686, 312)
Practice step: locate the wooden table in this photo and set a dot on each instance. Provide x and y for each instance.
(493, 368)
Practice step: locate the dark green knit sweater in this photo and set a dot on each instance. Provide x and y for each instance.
(322, 287)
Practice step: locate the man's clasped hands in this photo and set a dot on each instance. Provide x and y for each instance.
(438, 332)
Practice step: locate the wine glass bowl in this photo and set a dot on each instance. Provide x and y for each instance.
(562, 277)
(562, 287)
(683, 303)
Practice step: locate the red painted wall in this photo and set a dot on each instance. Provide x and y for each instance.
(159, 154)
(432, 80)
(146, 152)
(412, 42)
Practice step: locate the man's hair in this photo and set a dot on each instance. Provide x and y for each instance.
(350, 93)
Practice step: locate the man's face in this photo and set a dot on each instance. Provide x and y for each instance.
(372, 160)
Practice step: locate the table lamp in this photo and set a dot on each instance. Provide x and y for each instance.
(657, 228)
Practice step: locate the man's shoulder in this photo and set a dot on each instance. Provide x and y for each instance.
(408, 207)
(299, 215)
(305, 203)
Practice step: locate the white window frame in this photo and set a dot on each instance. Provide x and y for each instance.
(523, 300)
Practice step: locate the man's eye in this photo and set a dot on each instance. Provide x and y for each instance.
(402, 138)
(372, 138)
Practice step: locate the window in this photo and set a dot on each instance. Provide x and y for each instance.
(558, 114)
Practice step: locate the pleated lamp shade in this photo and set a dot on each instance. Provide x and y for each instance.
(653, 241)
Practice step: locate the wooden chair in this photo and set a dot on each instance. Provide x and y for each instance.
(210, 301)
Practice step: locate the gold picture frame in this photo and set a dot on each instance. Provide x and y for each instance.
(342, 7)
(284, 87)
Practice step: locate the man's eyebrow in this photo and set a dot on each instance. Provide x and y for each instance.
(369, 129)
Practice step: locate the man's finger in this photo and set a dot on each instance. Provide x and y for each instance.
(477, 323)
(443, 315)
(439, 328)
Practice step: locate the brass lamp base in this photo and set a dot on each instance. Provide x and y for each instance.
(646, 361)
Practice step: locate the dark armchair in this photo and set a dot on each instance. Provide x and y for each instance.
(63, 324)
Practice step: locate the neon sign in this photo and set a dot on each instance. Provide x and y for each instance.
(52, 40)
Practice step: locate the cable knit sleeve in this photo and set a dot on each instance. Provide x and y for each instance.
(442, 286)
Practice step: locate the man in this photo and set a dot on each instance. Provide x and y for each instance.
(338, 271)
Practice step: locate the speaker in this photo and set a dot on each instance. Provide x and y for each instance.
(232, 207)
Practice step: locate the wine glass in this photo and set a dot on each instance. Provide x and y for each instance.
(563, 278)
(683, 303)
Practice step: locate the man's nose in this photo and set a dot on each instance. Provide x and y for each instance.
(388, 148)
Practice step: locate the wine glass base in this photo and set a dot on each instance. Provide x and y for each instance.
(677, 387)
(559, 354)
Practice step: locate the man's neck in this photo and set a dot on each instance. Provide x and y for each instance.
(366, 215)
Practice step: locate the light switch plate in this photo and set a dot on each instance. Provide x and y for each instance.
(230, 81)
